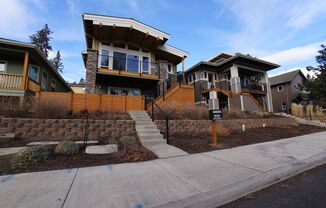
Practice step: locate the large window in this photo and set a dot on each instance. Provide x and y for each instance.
(3, 66)
(119, 60)
(53, 85)
(105, 58)
(145, 65)
(33, 72)
(125, 91)
(132, 63)
(44, 80)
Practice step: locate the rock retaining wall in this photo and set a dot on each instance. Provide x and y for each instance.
(60, 129)
(203, 127)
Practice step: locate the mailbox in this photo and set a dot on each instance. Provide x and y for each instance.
(215, 114)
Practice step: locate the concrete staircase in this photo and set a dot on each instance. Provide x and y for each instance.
(302, 120)
(150, 136)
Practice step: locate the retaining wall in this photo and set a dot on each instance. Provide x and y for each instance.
(60, 129)
(203, 127)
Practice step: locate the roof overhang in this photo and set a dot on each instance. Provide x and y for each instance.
(36, 51)
(238, 59)
(121, 29)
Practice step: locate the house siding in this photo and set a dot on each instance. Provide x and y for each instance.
(279, 97)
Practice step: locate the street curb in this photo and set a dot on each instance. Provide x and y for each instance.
(231, 192)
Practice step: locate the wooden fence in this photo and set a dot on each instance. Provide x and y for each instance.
(92, 102)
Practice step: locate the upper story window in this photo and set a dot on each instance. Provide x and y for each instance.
(132, 63)
(205, 75)
(33, 72)
(53, 85)
(44, 80)
(119, 60)
(3, 66)
(190, 79)
(119, 45)
(170, 71)
(105, 58)
(194, 76)
(280, 88)
(145, 68)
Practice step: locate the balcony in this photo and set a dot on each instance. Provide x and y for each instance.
(129, 67)
(16, 82)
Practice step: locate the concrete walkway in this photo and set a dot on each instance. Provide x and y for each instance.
(199, 180)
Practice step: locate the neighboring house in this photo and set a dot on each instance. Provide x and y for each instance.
(240, 80)
(285, 89)
(24, 70)
(127, 57)
(77, 88)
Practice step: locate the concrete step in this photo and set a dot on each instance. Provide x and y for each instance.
(148, 131)
(146, 126)
(149, 143)
(144, 123)
(141, 117)
(150, 136)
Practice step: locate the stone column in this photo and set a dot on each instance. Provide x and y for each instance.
(235, 80)
(269, 94)
(91, 68)
(163, 68)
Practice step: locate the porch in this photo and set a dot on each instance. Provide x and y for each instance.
(11, 84)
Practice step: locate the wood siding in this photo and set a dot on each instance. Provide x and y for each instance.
(77, 101)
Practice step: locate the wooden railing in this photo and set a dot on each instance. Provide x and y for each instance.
(33, 86)
(11, 81)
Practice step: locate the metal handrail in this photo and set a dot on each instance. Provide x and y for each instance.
(166, 120)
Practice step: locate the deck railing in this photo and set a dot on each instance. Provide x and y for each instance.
(16, 81)
(124, 64)
(11, 81)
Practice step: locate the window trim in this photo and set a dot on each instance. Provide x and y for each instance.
(127, 51)
(6, 66)
(278, 88)
(55, 84)
(38, 73)
(47, 77)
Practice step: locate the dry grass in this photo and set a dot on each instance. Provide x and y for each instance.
(188, 112)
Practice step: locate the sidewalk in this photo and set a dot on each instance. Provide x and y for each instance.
(199, 180)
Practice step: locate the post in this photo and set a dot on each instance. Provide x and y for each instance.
(167, 130)
(183, 70)
(214, 133)
(25, 71)
(152, 111)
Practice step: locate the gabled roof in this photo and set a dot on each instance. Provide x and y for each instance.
(285, 78)
(238, 58)
(220, 56)
(33, 47)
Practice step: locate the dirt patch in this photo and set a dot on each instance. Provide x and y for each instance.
(192, 144)
(129, 153)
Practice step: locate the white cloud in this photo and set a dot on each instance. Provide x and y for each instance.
(294, 55)
(303, 12)
(15, 19)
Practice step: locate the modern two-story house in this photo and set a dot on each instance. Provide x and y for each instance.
(240, 80)
(127, 57)
(24, 70)
(285, 89)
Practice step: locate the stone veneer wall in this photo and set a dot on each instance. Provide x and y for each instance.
(203, 127)
(91, 68)
(60, 129)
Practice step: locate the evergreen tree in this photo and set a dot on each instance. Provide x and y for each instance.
(316, 86)
(42, 39)
(56, 61)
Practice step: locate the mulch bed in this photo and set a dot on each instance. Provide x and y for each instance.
(131, 153)
(193, 144)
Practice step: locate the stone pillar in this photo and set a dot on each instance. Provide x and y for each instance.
(235, 80)
(269, 94)
(91, 68)
(163, 68)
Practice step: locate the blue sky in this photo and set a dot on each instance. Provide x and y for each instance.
(285, 32)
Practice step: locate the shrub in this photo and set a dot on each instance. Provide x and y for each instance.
(50, 108)
(128, 140)
(31, 156)
(125, 117)
(67, 148)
